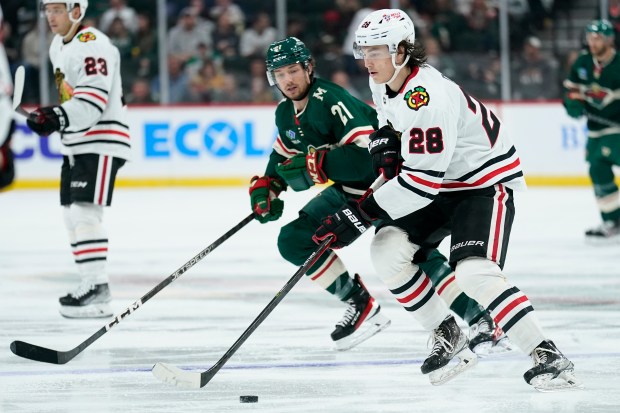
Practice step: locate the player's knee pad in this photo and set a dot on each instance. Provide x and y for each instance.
(86, 219)
(391, 252)
(480, 278)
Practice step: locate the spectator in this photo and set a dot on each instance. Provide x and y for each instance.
(184, 38)
(178, 81)
(534, 76)
(260, 90)
(255, 40)
(225, 38)
(481, 32)
(440, 61)
(236, 16)
(140, 92)
(230, 92)
(144, 51)
(447, 24)
(614, 18)
(206, 82)
(119, 8)
(341, 78)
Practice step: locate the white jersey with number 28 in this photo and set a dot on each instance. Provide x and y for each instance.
(449, 142)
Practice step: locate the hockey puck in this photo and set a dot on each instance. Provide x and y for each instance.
(248, 399)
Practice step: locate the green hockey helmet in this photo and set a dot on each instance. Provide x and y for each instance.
(286, 52)
(602, 27)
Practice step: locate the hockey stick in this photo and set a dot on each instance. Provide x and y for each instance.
(18, 91)
(196, 380)
(47, 355)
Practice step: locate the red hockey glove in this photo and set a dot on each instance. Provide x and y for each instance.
(384, 147)
(264, 199)
(46, 120)
(345, 226)
(314, 165)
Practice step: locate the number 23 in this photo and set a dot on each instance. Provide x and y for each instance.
(94, 66)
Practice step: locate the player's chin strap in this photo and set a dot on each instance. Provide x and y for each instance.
(73, 30)
(396, 72)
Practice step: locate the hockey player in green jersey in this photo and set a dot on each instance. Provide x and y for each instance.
(593, 90)
(323, 136)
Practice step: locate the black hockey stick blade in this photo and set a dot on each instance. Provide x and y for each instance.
(196, 380)
(47, 355)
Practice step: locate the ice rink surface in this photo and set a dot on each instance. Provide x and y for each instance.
(289, 361)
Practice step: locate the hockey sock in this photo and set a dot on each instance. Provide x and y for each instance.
(330, 274)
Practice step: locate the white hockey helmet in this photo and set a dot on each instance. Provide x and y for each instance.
(71, 4)
(383, 27)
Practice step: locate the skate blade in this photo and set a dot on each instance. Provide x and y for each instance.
(368, 329)
(566, 380)
(102, 310)
(467, 360)
(503, 346)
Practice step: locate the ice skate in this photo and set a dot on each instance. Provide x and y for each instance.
(552, 370)
(87, 301)
(449, 342)
(361, 320)
(487, 338)
(606, 233)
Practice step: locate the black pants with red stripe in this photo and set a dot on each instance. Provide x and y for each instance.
(479, 222)
(90, 179)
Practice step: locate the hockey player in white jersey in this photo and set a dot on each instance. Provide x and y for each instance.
(459, 170)
(91, 120)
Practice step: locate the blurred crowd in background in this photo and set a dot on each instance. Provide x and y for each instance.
(216, 48)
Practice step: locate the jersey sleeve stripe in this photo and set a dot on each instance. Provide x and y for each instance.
(415, 190)
(92, 87)
(432, 185)
(511, 152)
(429, 172)
(90, 103)
(105, 102)
(356, 133)
(106, 132)
(280, 148)
(486, 178)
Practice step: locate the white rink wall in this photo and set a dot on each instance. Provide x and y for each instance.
(225, 145)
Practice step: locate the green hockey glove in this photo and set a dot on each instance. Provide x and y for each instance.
(264, 199)
(295, 173)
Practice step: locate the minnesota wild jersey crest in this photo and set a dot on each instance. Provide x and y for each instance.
(417, 98)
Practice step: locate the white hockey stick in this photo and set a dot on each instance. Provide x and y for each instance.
(18, 91)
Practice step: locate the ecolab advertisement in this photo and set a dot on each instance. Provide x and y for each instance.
(212, 145)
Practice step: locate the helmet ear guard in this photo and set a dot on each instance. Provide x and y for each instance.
(284, 53)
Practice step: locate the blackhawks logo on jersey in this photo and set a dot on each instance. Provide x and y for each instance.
(417, 98)
(86, 37)
(64, 90)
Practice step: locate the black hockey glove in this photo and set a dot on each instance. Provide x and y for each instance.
(47, 120)
(384, 147)
(345, 226)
